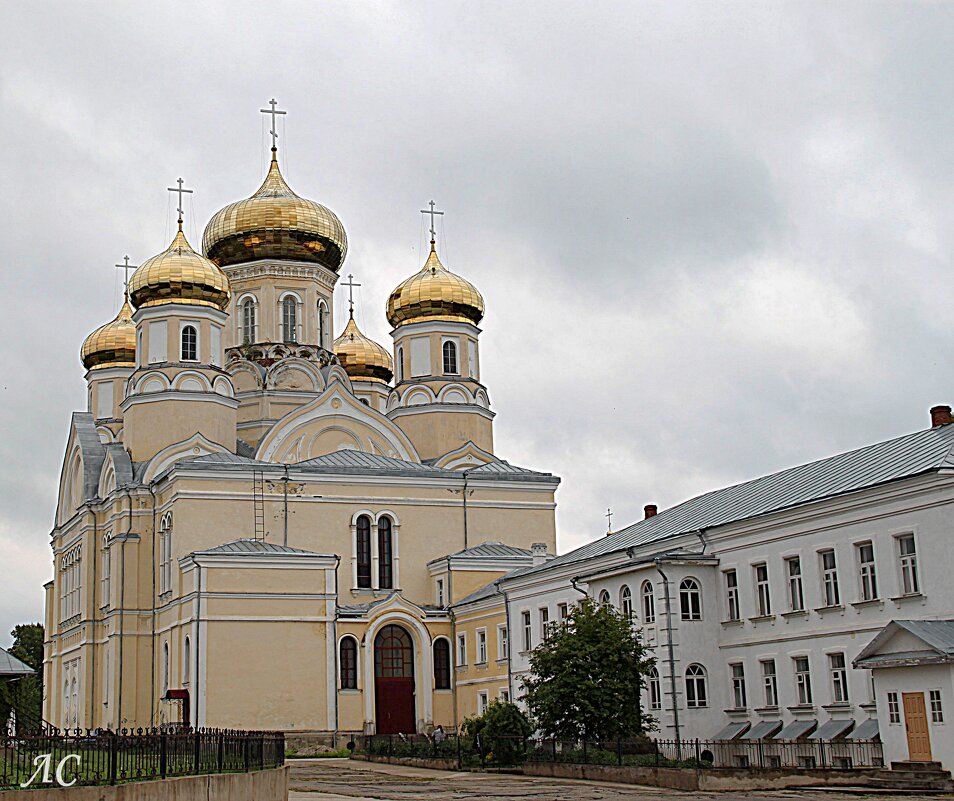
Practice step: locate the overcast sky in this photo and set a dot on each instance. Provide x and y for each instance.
(714, 240)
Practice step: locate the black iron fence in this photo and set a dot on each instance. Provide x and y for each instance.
(504, 752)
(83, 757)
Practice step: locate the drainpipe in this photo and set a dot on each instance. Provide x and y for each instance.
(334, 639)
(465, 509)
(509, 641)
(285, 507)
(152, 705)
(672, 655)
(199, 689)
(573, 585)
(122, 620)
(453, 638)
(95, 550)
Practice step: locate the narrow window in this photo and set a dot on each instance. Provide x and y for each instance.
(399, 364)
(545, 621)
(385, 555)
(504, 695)
(803, 681)
(503, 643)
(189, 344)
(770, 682)
(186, 660)
(461, 649)
(690, 599)
(738, 685)
(349, 663)
(696, 695)
(363, 548)
(649, 603)
(563, 610)
(894, 708)
(830, 579)
(866, 569)
(527, 632)
(910, 583)
(655, 691)
(482, 702)
(440, 592)
(762, 597)
(937, 711)
(796, 595)
(839, 678)
(441, 664)
(290, 319)
(481, 647)
(605, 597)
(165, 553)
(732, 595)
(248, 321)
(322, 324)
(449, 349)
(165, 668)
(106, 562)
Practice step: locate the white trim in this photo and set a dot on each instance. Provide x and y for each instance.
(459, 408)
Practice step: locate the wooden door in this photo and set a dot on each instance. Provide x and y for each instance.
(916, 726)
(394, 706)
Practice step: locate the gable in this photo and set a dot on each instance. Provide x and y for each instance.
(82, 466)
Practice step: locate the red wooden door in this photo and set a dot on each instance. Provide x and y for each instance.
(394, 682)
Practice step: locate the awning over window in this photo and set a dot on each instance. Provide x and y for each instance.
(763, 730)
(867, 730)
(832, 730)
(732, 731)
(797, 729)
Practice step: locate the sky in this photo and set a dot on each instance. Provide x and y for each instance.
(714, 239)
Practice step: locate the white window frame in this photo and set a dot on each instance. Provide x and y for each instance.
(526, 619)
(481, 656)
(483, 701)
(838, 670)
(763, 595)
(648, 595)
(455, 343)
(545, 629)
(910, 580)
(731, 579)
(802, 669)
(503, 642)
(461, 650)
(796, 585)
(194, 325)
(831, 590)
(769, 682)
(737, 676)
(655, 689)
(438, 589)
(936, 705)
(867, 571)
(894, 707)
(696, 680)
(690, 599)
(626, 601)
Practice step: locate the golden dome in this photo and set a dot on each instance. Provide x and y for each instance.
(362, 357)
(113, 344)
(275, 223)
(179, 275)
(435, 293)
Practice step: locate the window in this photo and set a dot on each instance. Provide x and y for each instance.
(894, 708)
(937, 711)
(165, 668)
(248, 321)
(690, 599)
(449, 350)
(482, 702)
(349, 663)
(605, 597)
(830, 579)
(399, 364)
(441, 664)
(440, 591)
(738, 685)
(385, 554)
(186, 660)
(732, 595)
(165, 553)
(71, 582)
(481, 646)
(527, 632)
(363, 551)
(796, 595)
(910, 584)
(655, 691)
(563, 611)
(626, 601)
(503, 642)
(323, 327)
(290, 319)
(769, 682)
(696, 696)
(461, 649)
(839, 678)
(649, 603)
(803, 681)
(763, 600)
(504, 695)
(544, 621)
(190, 344)
(106, 563)
(866, 570)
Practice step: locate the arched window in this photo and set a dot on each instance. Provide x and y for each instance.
(290, 319)
(349, 663)
(449, 350)
(385, 554)
(690, 600)
(696, 696)
(399, 364)
(442, 664)
(165, 553)
(655, 691)
(186, 660)
(106, 562)
(323, 324)
(74, 701)
(248, 321)
(626, 601)
(649, 603)
(66, 704)
(165, 668)
(604, 597)
(190, 344)
(363, 550)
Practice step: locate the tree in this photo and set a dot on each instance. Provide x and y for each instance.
(504, 729)
(25, 695)
(586, 676)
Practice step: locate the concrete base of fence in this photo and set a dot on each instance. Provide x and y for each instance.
(688, 779)
(261, 785)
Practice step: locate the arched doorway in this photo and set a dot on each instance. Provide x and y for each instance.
(394, 681)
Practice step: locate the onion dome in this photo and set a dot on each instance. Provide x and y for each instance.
(179, 275)
(275, 223)
(362, 358)
(113, 344)
(435, 293)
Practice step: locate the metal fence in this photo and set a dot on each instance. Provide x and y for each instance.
(503, 752)
(84, 757)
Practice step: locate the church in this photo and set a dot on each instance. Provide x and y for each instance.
(263, 526)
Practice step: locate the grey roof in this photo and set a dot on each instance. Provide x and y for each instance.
(832, 729)
(222, 458)
(763, 730)
(359, 459)
(242, 448)
(937, 635)
(731, 731)
(866, 730)
(11, 666)
(243, 546)
(903, 457)
(121, 463)
(492, 549)
(94, 453)
(500, 467)
(797, 729)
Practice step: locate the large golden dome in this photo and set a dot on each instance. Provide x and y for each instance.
(435, 293)
(113, 344)
(275, 223)
(179, 275)
(361, 357)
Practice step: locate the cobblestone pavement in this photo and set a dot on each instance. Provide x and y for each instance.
(346, 780)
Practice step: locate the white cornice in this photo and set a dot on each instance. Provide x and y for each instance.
(455, 408)
(180, 310)
(266, 268)
(435, 327)
(177, 395)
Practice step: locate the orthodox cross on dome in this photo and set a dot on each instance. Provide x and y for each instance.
(127, 267)
(609, 519)
(351, 285)
(180, 192)
(432, 214)
(275, 113)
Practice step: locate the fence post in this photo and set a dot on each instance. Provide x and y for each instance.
(821, 753)
(656, 751)
(761, 752)
(113, 757)
(553, 743)
(162, 755)
(245, 753)
(619, 751)
(220, 756)
(698, 754)
(585, 757)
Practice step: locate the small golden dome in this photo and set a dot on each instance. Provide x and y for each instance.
(435, 293)
(275, 223)
(113, 344)
(179, 275)
(361, 357)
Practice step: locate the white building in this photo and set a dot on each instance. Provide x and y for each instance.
(757, 598)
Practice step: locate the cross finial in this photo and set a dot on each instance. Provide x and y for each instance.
(609, 519)
(180, 192)
(274, 112)
(432, 214)
(127, 267)
(351, 285)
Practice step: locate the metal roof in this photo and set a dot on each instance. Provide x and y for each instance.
(11, 666)
(797, 729)
(492, 549)
(866, 730)
(369, 461)
(500, 466)
(732, 731)
(937, 635)
(763, 730)
(903, 457)
(832, 729)
(242, 546)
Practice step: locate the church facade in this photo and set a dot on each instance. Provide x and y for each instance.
(262, 526)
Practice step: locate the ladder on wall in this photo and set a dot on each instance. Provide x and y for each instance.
(258, 499)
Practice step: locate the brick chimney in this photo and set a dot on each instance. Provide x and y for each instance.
(539, 552)
(941, 416)
(649, 510)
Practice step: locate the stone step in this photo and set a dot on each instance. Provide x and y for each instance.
(922, 785)
(918, 766)
(915, 775)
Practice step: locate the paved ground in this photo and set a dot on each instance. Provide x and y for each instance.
(347, 780)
